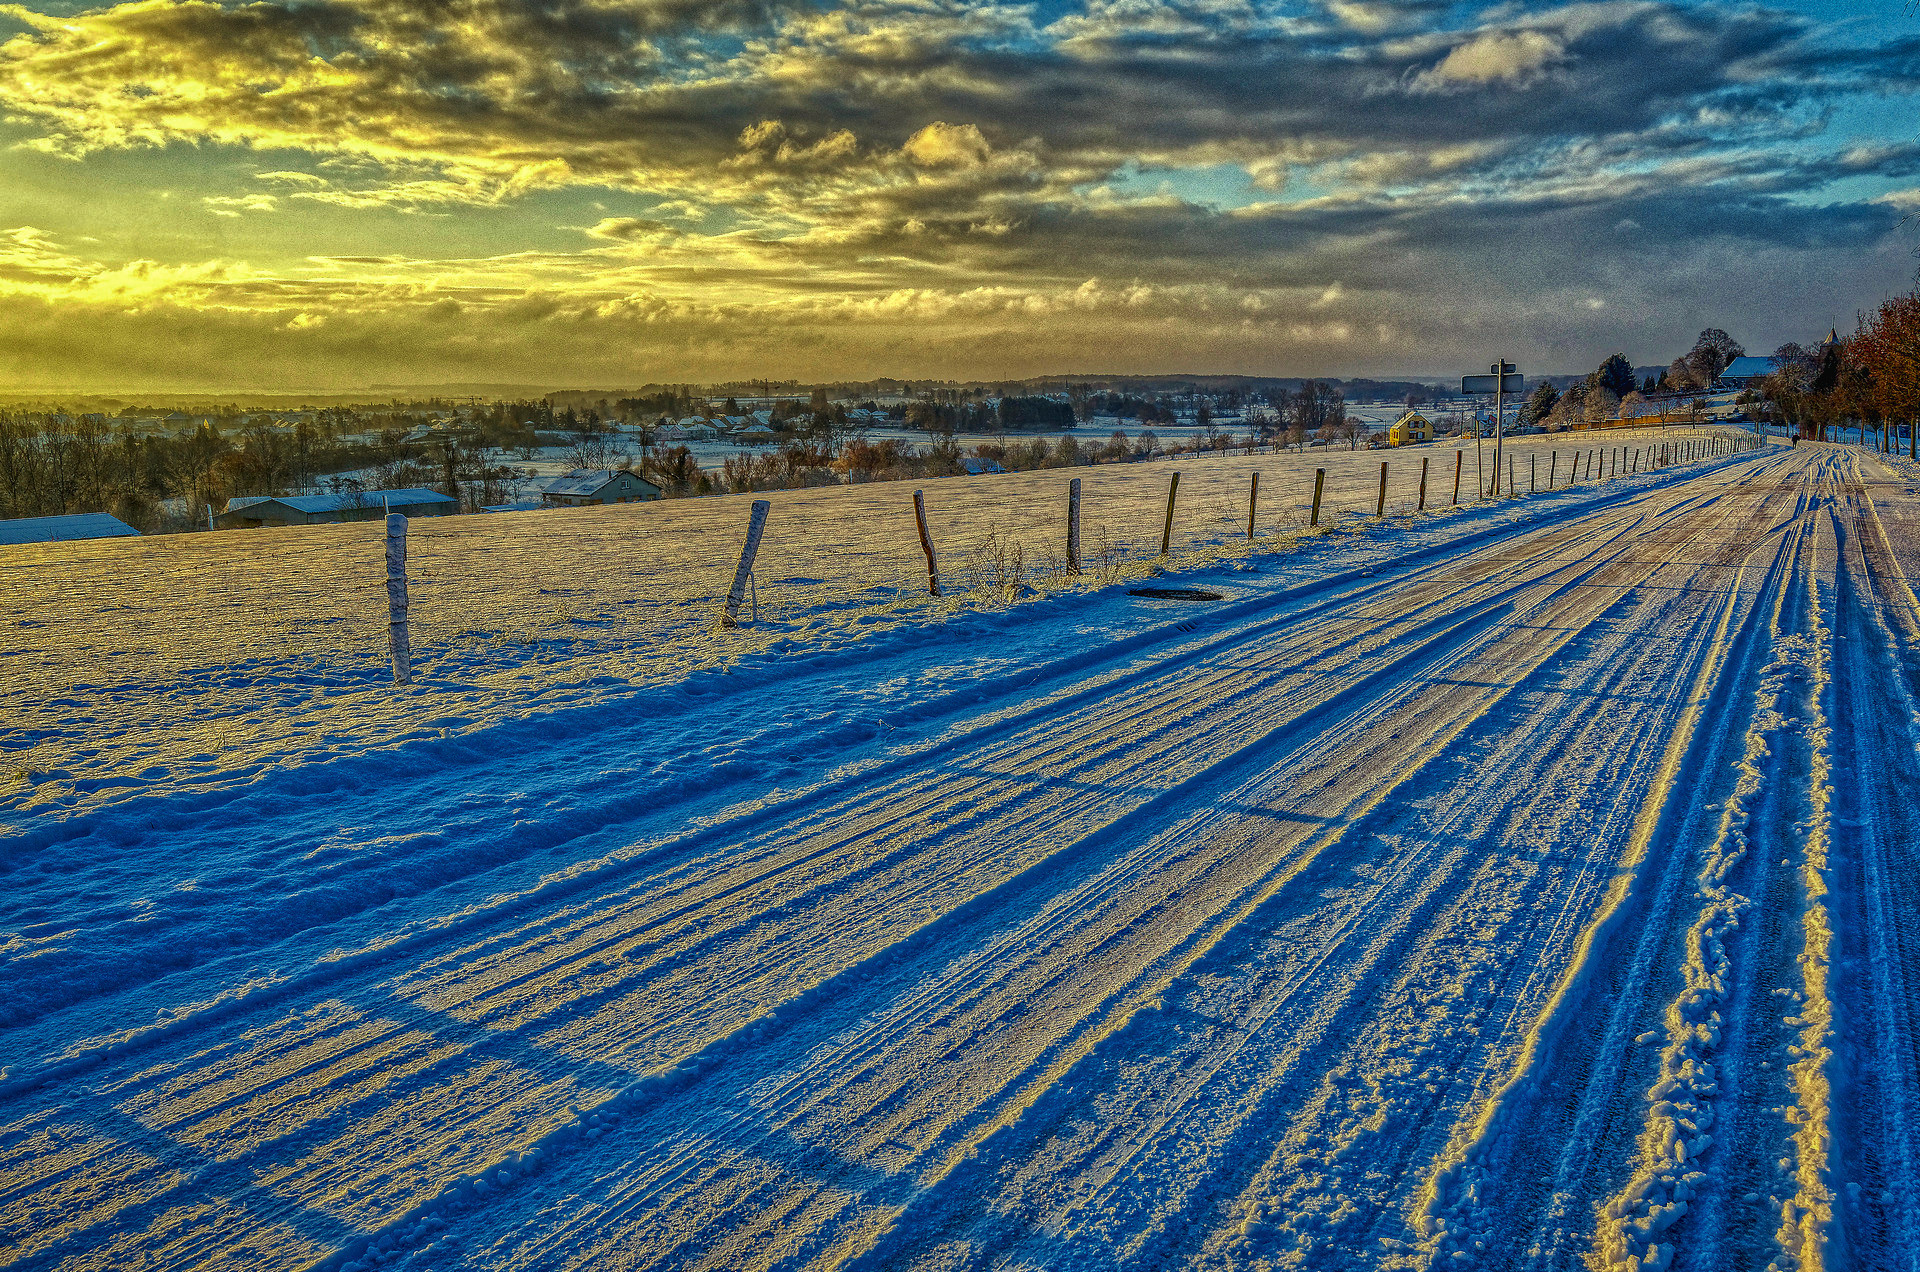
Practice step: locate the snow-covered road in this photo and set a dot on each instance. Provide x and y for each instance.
(1534, 893)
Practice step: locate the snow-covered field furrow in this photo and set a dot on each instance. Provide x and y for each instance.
(475, 1084)
(1389, 912)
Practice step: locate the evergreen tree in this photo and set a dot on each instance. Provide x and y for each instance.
(1616, 376)
(1539, 405)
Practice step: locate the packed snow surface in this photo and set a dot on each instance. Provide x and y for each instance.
(1528, 885)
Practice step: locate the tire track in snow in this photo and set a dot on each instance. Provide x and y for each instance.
(693, 1188)
(1696, 1136)
(1489, 1182)
(227, 1100)
(485, 1091)
(1877, 733)
(1362, 1147)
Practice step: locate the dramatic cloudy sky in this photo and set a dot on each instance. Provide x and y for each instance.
(312, 193)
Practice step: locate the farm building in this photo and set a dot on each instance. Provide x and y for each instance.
(1409, 428)
(309, 510)
(1742, 372)
(79, 525)
(598, 486)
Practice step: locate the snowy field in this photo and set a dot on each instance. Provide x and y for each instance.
(1523, 886)
(174, 662)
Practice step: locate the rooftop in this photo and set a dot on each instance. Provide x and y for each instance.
(79, 525)
(406, 498)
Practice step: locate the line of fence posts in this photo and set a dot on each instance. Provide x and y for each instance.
(399, 645)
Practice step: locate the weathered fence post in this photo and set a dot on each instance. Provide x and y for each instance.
(1456, 478)
(1533, 474)
(1166, 530)
(926, 542)
(1253, 505)
(398, 645)
(1553, 471)
(1319, 483)
(1380, 508)
(1073, 526)
(756, 526)
(1423, 484)
(1509, 474)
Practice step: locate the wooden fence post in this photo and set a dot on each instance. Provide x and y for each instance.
(756, 526)
(399, 648)
(1166, 531)
(1533, 473)
(1073, 526)
(1553, 471)
(1380, 507)
(1253, 505)
(1509, 475)
(1456, 478)
(1319, 483)
(1423, 484)
(926, 542)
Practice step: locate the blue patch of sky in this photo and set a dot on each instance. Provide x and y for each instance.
(1215, 185)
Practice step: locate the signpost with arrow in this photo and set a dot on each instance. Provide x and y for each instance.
(1503, 378)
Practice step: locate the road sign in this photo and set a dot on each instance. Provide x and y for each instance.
(1512, 384)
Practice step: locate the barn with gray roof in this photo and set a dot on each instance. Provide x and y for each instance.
(356, 505)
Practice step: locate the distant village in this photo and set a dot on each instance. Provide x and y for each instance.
(137, 469)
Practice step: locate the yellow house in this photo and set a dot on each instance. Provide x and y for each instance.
(1411, 427)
